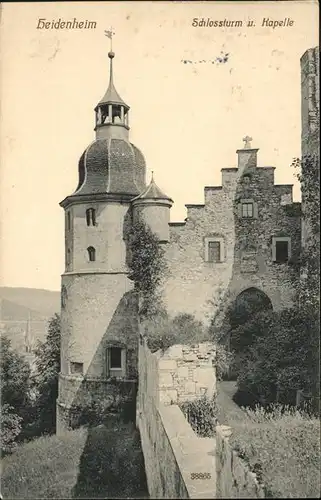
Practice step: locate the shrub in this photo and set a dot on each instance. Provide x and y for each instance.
(201, 414)
(279, 360)
(162, 332)
(10, 428)
(223, 361)
(100, 412)
(282, 446)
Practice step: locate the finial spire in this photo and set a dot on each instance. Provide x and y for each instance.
(247, 143)
(152, 179)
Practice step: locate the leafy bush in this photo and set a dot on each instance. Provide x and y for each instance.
(162, 331)
(282, 446)
(100, 412)
(278, 361)
(10, 428)
(201, 414)
(223, 361)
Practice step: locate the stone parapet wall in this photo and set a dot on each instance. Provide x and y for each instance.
(178, 463)
(175, 456)
(234, 478)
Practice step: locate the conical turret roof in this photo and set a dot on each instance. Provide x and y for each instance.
(111, 95)
(153, 192)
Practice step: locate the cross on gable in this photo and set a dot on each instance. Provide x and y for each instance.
(247, 143)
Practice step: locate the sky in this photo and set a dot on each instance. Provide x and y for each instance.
(188, 119)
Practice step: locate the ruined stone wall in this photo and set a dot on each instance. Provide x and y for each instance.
(172, 451)
(194, 285)
(234, 479)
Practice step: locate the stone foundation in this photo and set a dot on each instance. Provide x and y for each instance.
(76, 393)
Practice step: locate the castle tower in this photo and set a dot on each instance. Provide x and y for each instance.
(98, 322)
(153, 206)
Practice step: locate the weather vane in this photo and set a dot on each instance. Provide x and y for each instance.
(109, 33)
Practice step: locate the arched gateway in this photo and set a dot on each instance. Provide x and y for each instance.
(248, 304)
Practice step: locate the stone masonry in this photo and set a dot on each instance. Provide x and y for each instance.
(246, 243)
(186, 372)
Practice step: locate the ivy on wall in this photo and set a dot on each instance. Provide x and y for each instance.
(147, 267)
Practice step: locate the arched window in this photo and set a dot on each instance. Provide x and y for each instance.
(91, 217)
(91, 254)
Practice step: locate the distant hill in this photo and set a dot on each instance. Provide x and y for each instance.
(44, 302)
(24, 315)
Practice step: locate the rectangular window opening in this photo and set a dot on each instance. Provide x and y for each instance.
(214, 251)
(281, 251)
(115, 358)
(247, 210)
(76, 368)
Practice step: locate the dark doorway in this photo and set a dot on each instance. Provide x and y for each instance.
(245, 307)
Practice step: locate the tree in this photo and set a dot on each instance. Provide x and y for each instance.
(14, 378)
(10, 428)
(14, 394)
(278, 362)
(308, 294)
(45, 379)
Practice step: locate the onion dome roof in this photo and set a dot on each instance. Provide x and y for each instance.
(111, 165)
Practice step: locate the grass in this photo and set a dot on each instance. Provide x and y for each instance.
(44, 468)
(283, 448)
(96, 462)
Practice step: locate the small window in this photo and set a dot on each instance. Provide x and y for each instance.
(214, 251)
(115, 358)
(116, 362)
(76, 368)
(281, 251)
(247, 210)
(68, 221)
(91, 254)
(91, 217)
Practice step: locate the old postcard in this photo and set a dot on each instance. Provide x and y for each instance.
(160, 245)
